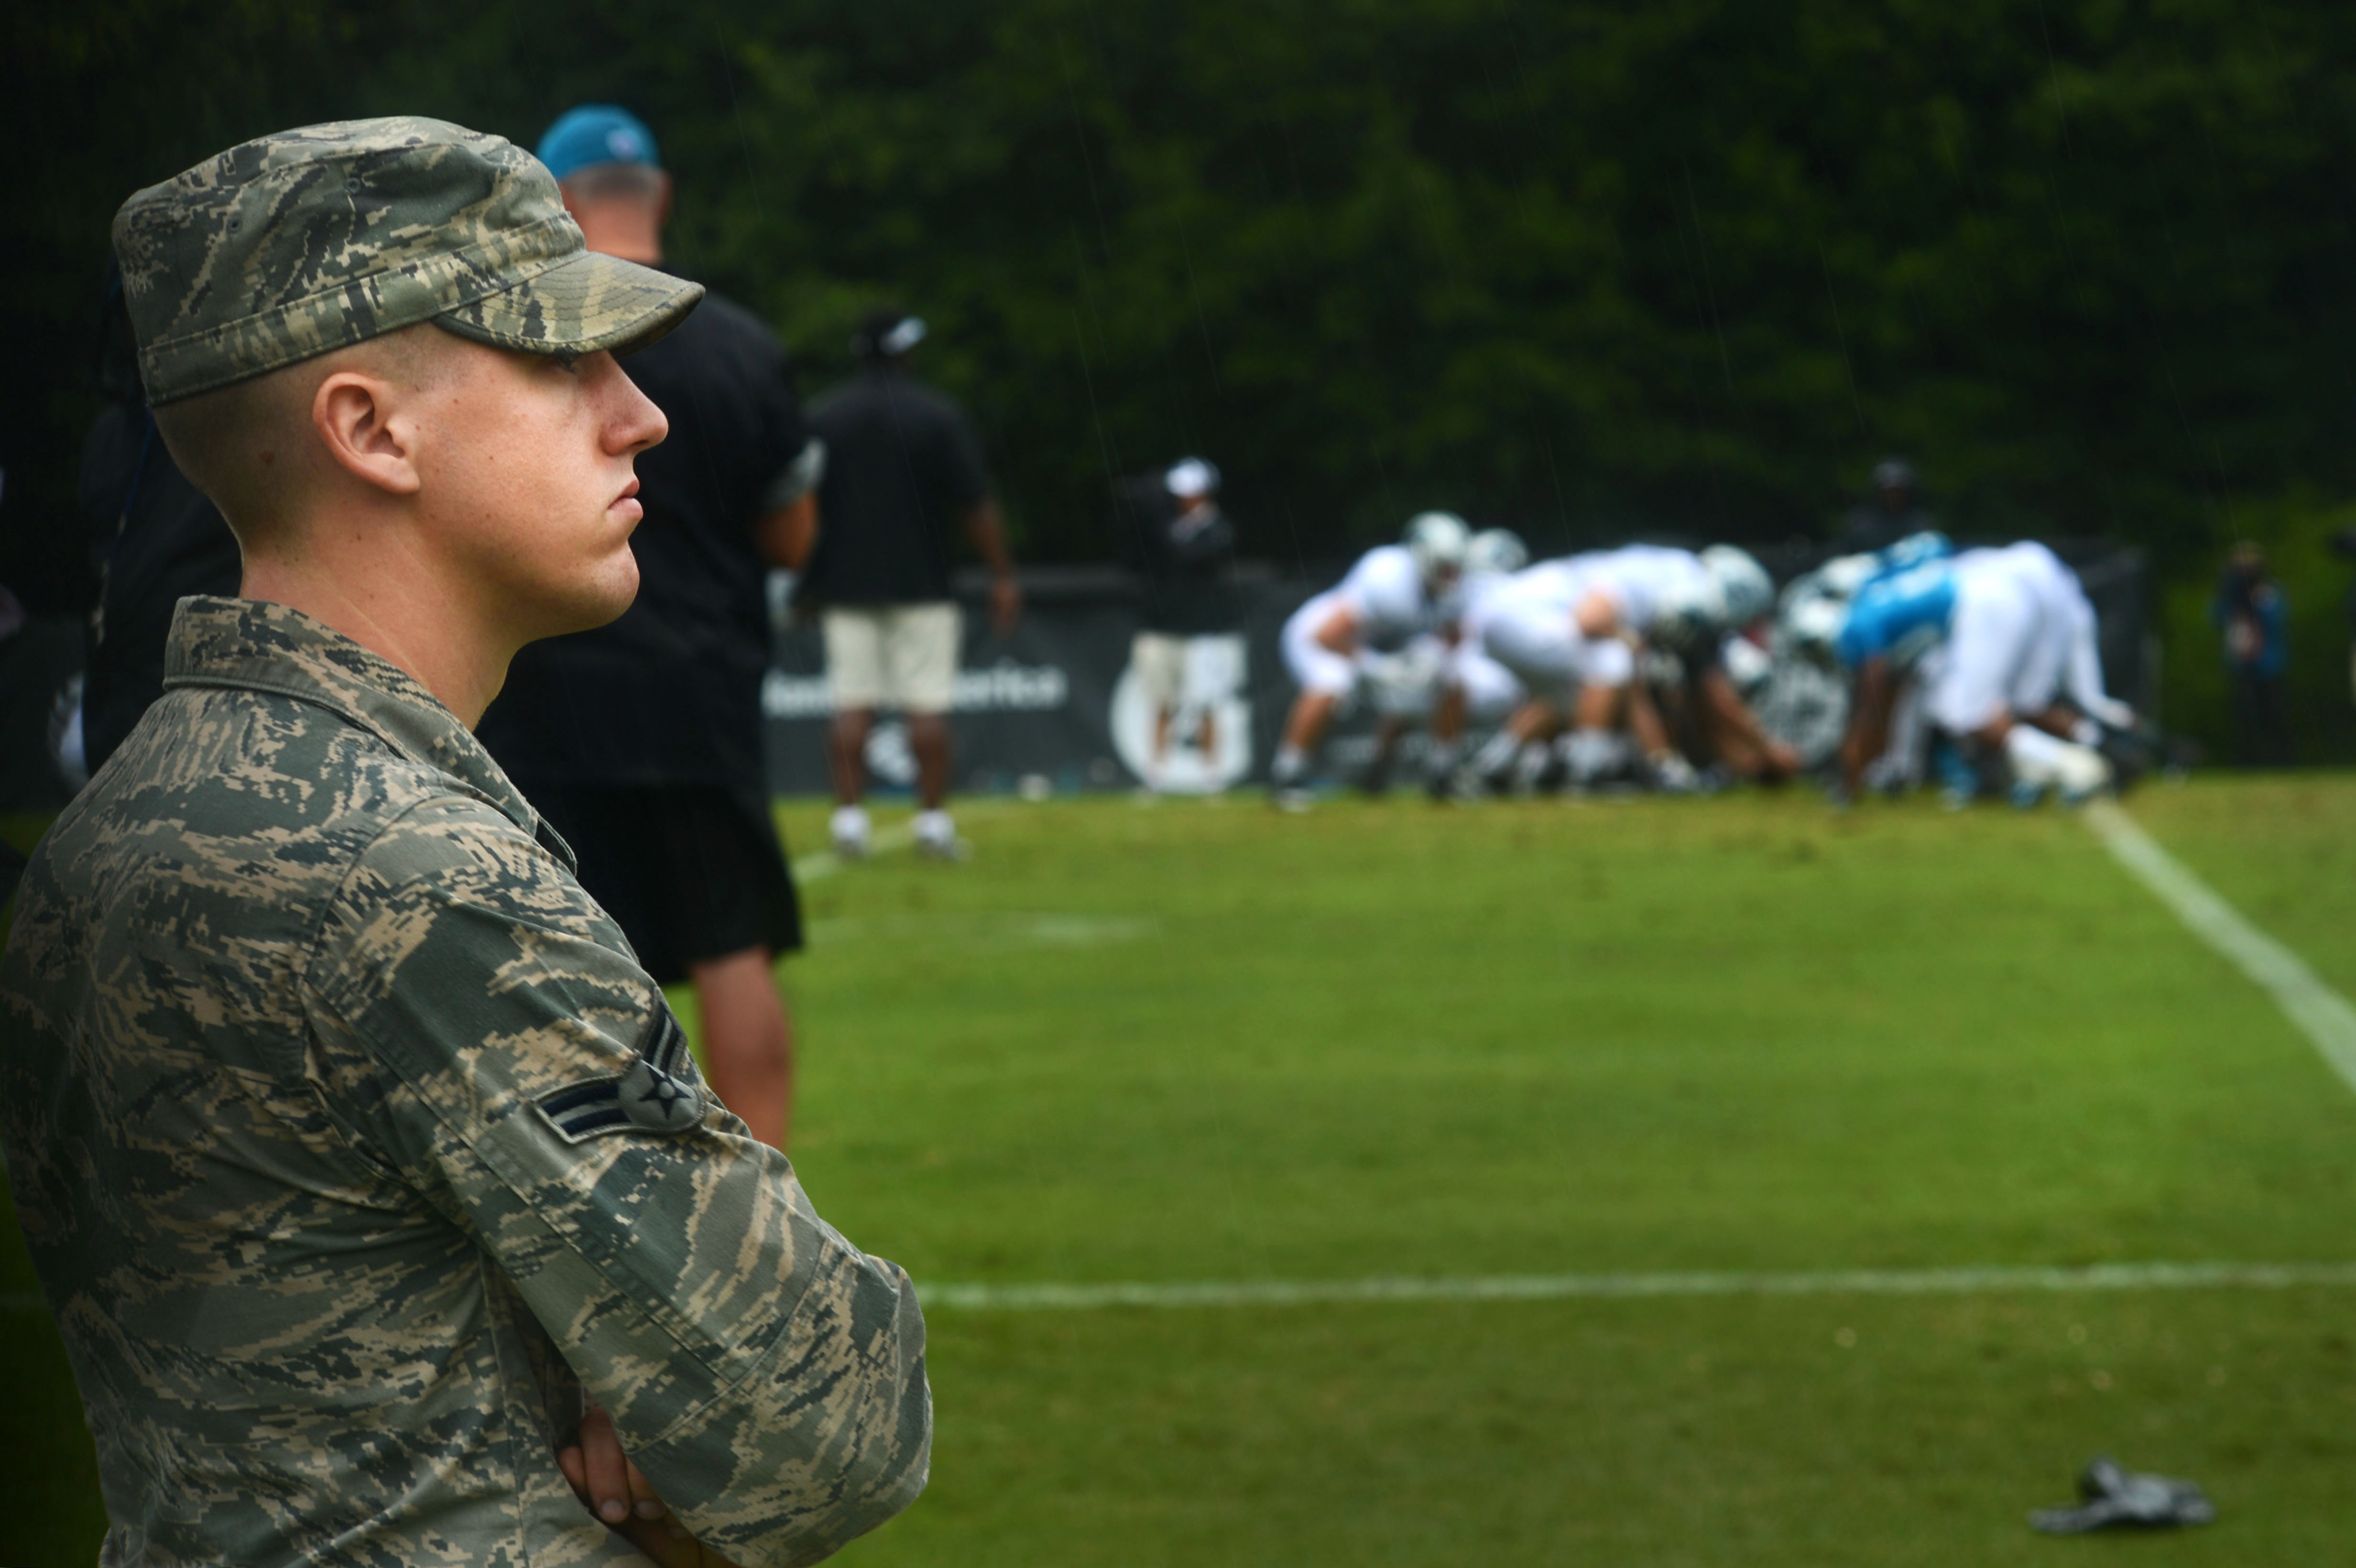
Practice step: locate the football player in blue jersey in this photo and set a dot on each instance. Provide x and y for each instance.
(1994, 642)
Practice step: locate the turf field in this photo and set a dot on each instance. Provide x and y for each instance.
(1187, 1042)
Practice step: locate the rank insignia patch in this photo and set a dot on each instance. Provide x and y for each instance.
(657, 1094)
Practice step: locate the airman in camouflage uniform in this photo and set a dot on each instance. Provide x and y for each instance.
(354, 1147)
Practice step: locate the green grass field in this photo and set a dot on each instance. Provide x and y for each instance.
(1188, 1042)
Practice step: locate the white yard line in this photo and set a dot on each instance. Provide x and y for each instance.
(1606, 1287)
(1602, 1286)
(2322, 1014)
(826, 863)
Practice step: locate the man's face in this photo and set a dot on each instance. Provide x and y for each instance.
(528, 487)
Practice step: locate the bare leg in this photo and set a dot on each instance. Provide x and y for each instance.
(749, 1040)
(1378, 766)
(928, 736)
(846, 753)
(1534, 721)
(1448, 714)
(1644, 719)
(1304, 727)
(1311, 712)
(1162, 716)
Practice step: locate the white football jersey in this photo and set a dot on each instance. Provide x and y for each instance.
(1550, 586)
(1385, 593)
(1641, 580)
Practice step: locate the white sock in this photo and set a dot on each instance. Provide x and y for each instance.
(1496, 755)
(850, 822)
(1289, 764)
(935, 827)
(1592, 753)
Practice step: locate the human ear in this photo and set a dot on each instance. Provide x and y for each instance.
(356, 418)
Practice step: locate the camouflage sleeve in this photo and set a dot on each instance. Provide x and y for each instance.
(482, 1025)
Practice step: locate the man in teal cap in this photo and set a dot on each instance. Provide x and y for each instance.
(368, 1176)
(641, 739)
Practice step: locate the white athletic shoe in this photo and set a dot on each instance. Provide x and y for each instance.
(850, 832)
(2085, 773)
(936, 838)
(1672, 774)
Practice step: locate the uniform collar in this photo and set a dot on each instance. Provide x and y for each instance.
(261, 647)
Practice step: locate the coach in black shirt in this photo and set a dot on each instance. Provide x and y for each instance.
(641, 740)
(903, 471)
(1188, 657)
(1892, 510)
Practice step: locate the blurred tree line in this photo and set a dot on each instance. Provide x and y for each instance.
(1683, 267)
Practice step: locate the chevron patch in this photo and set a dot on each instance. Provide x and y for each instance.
(659, 1093)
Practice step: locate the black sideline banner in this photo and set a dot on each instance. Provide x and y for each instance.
(1053, 709)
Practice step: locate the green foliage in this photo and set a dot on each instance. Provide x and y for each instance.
(1589, 269)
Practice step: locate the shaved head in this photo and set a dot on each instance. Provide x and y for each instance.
(252, 448)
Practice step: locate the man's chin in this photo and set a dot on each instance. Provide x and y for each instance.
(607, 608)
(594, 605)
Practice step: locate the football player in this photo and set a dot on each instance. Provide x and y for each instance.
(1361, 635)
(1449, 680)
(1571, 631)
(1988, 638)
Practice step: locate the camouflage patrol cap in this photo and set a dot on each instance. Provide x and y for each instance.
(305, 241)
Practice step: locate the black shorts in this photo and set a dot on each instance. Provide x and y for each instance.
(688, 871)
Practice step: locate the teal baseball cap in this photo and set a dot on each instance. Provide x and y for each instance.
(596, 133)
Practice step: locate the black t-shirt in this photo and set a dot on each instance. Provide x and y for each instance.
(1181, 560)
(159, 540)
(671, 694)
(903, 465)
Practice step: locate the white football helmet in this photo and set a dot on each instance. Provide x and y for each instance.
(1844, 574)
(1810, 628)
(1743, 585)
(1499, 551)
(1438, 540)
(1746, 664)
(1689, 617)
(1916, 549)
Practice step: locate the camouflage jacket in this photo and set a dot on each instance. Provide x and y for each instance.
(354, 1147)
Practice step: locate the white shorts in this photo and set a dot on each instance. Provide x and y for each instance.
(1490, 690)
(2038, 684)
(1315, 667)
(893, 656)
(1542, 649)
(1406, 685)
(1991, 665)
(1176, 671)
